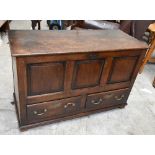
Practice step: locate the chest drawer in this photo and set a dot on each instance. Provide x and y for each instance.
(54, 109)
(107, 99)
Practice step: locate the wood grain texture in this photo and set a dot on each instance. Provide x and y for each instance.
(45, 78)
(122, 69)
(72, 68)
(106, 99)
(53, 42)
(87, 73)
(57, 108)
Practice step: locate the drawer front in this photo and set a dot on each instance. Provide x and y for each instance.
(107, 99)
(54, 109)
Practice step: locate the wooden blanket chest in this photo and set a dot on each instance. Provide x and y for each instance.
(60, 75)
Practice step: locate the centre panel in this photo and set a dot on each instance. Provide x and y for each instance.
(87, 73)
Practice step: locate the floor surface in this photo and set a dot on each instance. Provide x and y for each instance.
(138, 117)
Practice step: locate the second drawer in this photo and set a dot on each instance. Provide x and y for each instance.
(107, 99)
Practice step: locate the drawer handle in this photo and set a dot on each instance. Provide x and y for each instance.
(108, 96)
(96, 103)
(69, 104)
(119, 98)
(39, 114)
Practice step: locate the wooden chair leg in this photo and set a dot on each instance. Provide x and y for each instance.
(39, 27)
(148, 55)
(34, 23)
(152, 60)
(145, 61)
(153, 83)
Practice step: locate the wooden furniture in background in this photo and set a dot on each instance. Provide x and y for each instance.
(135, 28)
(124, 25)
(152, 30)
(153, 82)
(60, 75)
(4, 25)
(35, 23)
(151, 48)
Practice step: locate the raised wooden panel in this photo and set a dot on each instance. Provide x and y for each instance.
(87, 73)
(122, 69)
(45, 78)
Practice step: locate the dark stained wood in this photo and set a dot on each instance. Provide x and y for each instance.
(60, 95)
(68, 75)
(58, 108)
(87, 73)
(22, 89)
(78, 56)
(4, 25)
(106, 99)
(45, 78)
(72, 68)
(122, 69)
(54, 42)
(106, 71)
(84, 112)
(153, 82)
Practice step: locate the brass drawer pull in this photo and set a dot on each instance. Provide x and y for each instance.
(108, 96)
(99, 102)
(39, 114)
(119, 98)
(69, 104)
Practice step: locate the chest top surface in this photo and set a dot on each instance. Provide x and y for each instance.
(33, 42)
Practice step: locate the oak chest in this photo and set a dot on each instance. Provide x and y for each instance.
(60, 75)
